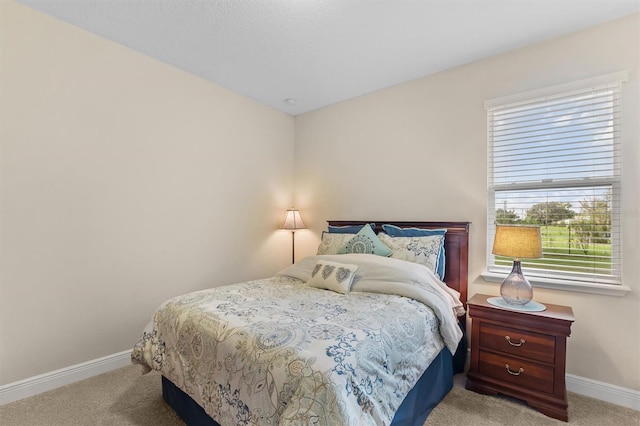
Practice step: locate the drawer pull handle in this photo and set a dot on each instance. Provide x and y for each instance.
(513, 373)
(514, 344)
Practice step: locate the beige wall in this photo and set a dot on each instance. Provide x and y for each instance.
(418, 151)
(124, 181)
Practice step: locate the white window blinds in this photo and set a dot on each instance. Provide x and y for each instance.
(554, 161)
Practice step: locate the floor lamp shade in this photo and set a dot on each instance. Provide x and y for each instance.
(517, 241)
(292, 222)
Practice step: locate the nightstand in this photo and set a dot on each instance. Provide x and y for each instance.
(520, 354)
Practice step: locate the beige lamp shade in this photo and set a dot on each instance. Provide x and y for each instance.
(517, 241)
(292, 220)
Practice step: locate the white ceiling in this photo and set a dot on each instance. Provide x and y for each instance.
(320, 52)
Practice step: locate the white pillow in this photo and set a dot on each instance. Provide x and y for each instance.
(332, 243)
(422, 250)
(333, 276)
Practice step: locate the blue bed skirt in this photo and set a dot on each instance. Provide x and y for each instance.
(434, 385)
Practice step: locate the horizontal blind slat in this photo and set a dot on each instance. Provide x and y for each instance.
(577, 142)
(497, 110)
(584, 114)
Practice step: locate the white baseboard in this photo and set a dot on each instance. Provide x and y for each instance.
(55, 379)
(604, 391)
(32, 386)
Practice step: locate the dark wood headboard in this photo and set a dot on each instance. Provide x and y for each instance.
(456, 245)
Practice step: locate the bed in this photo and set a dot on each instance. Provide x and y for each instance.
(335, 339)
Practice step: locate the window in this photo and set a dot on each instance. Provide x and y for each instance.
(554, 161)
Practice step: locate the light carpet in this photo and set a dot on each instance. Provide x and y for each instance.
(124, 397)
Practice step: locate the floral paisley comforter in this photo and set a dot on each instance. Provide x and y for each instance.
(278, 352)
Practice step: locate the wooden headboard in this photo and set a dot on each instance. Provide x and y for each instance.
(456, 245)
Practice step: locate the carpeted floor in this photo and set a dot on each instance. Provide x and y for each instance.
(124, 397)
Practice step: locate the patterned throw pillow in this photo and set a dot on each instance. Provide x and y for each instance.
(333, 276)
(331, 243)
(366, 242)
(422, 250)
(396, 231)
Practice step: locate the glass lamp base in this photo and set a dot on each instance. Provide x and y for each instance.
(515, 289)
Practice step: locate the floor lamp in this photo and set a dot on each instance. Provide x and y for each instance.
(293, 222)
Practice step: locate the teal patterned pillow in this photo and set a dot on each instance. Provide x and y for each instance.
(333, 276)
(367, 242)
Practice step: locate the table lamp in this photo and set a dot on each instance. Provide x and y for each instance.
(517, 241)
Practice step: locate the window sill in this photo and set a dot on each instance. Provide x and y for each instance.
(555, 284)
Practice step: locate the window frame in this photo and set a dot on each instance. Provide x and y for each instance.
(493, 273)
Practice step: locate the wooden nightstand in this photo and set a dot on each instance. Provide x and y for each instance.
(520, 354)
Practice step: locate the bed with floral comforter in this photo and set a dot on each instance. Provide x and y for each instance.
(278, 351)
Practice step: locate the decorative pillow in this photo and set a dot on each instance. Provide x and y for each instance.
(331, 243)
(367, 242)
(422, 250)
(395, 231)
(349, 229)
(333, 276)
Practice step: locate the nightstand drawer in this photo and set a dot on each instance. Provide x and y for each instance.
(518, 372)
(534, 346)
